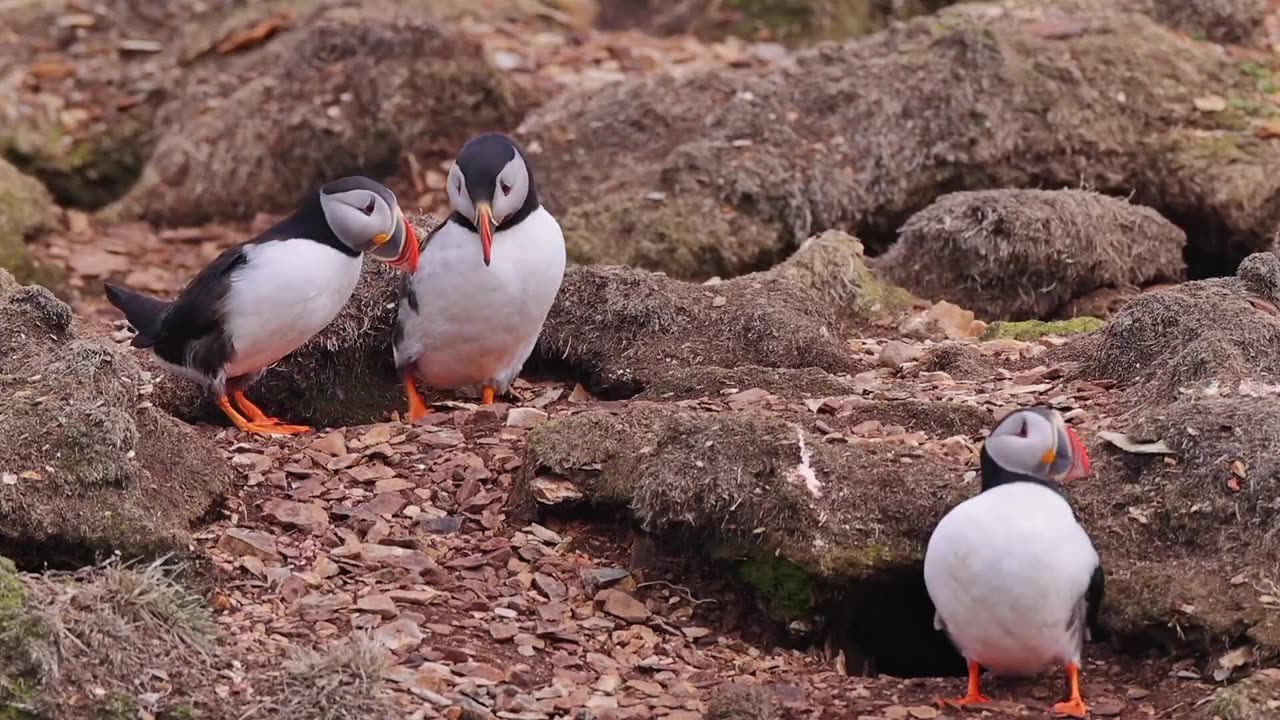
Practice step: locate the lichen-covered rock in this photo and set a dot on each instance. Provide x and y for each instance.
(859, 136)
(90, 467)
(345, 89)
(1218, 333)
(25, 207)
(834, 268)
(1026, 254)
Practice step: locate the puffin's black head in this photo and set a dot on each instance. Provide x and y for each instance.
(1034, 444)
(365, 216)
(490, 184)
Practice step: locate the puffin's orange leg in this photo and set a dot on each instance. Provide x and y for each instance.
(260, 419)
(256, 427)
(487, 394)
(973, 696)
(1074, 706)
(417, 408)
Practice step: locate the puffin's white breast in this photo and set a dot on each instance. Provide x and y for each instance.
(287, 291)
(476, 324)
(1005, 570)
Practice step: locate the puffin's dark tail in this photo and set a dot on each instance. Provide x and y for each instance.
(143, 313)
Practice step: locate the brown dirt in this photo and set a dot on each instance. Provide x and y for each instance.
(1220, 331)
(90, 466)
(811, 144)
(1027, 254)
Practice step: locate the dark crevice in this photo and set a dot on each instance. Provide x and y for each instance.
(543, 367)
(52, 554)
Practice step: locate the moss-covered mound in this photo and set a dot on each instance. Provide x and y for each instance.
(89, 466)
(1026, 254)
(1216, 333)
(861, 135)
(343, 89)
(25, 207)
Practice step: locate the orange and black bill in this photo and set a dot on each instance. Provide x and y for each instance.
(484, 223)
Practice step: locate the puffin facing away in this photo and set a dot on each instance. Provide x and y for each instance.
(1013, 576)
(471, 314)
(262, 299)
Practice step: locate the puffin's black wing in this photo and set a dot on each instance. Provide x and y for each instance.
(192, 333)
(1093, 603)
(1084, 617)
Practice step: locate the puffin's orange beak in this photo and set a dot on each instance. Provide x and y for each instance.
(484, 223)
(407, 260)
(1079, 457)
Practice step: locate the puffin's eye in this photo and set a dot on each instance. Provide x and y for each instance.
(506, 189)
(1022, 431)
(368, 209)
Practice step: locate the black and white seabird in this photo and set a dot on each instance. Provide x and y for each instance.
(1013, 576)
(261, 300)
(470, 315)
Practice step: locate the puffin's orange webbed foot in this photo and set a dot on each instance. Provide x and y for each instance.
(258, 423)
(1074, 706)
(417, 408)
(973, 696)
(487, 395)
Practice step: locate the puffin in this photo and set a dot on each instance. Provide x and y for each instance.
(262, 299)
(469, 317)
(1014, 578)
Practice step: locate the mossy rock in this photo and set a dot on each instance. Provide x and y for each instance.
(25, 207)
(26, 650)
(1028, 330)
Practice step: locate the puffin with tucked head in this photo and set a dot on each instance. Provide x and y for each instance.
(470, 316)
(1013, 576)
(261, 300)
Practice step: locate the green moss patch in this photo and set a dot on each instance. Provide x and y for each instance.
(1028, 330)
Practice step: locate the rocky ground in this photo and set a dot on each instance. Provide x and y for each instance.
(710, 494)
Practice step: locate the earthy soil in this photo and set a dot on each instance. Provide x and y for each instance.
(590, 547)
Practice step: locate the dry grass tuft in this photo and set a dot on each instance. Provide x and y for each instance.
(1026, 254)
(339, 683)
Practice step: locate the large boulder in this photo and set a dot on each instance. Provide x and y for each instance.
(1019, 254)
(343, 89)
(25, 207)
(859, 136)
(89, 466)
(1220, 335)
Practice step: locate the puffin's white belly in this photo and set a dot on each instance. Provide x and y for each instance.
(1006, 570)
(475, 324)
(288, 291)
